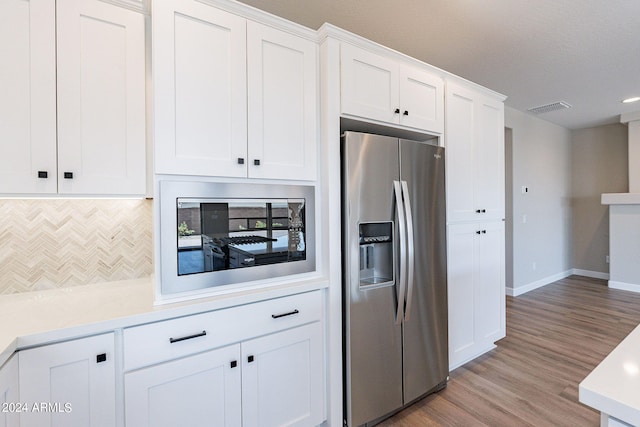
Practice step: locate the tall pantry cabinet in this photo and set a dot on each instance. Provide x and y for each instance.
(72, 110)
(474, 140)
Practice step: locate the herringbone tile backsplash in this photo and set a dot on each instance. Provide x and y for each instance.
(48, 244)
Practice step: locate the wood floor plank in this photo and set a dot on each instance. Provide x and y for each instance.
(556, 335)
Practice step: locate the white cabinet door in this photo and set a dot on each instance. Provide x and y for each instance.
(421, 99)
(475, 155)
(197, 391)
(475, 289)
(200, 90)
(378, 88)
(28, 96)
(101, 99)
(282, 93)
(490, 187)
(490, 292)
(282, 378)
(369, 85)
(73, 383)
(10, 404)
(461, 265)
(460, 153)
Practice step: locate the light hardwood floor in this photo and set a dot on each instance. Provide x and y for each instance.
(556, 335)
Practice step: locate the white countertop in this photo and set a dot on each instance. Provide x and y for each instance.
(36, 318)
(620, 199)
(614, 385)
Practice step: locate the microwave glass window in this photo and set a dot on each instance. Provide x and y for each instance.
(214, 235)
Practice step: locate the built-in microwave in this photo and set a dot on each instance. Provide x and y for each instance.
(221, 235)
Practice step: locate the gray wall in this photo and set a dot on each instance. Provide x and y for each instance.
(508, 200)
(541, 161)
(598, 165)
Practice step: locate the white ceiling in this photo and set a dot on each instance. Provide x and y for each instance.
(537, 52)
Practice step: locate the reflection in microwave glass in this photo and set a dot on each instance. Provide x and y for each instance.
(214, 236)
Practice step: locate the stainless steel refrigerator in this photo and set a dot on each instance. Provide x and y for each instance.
(394, 274)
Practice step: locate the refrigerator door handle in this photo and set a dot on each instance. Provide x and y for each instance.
(410, 250)
(403, 251)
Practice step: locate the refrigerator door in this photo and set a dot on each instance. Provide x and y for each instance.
(425, 356)
(373, 338)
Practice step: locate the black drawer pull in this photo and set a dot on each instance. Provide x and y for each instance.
(101, 358)
(277, 316)
(43, 174)
(201, 334)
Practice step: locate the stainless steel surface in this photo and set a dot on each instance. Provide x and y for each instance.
(373, 348)
(411, 254)
(402, 233)
(170, 191)
(395, 335)
(425, 356)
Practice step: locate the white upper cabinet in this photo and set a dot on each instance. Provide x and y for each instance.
(200, 81)
(28, 101)
(475, 155)
(282, 94)
(101, 99)
(233, 97)
(378, 88)
(87, 57)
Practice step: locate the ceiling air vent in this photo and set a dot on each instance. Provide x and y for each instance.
(550, 107)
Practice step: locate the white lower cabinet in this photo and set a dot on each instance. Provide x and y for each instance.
(9, 395)
(476, 289)
(282, 380)
(275, 380)
(200, 390)
(259, 364)
(70, 384)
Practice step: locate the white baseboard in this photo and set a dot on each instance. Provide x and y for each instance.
(514, 292)
(592, 274)
(624, 286)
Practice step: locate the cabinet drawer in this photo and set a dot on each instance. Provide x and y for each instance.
(157, 342)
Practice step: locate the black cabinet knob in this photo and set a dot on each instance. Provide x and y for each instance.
(234, 363)
(484, 210)
(397, 111)
(68, 175)
(478, 211)
(478, 232)
(256, 162)
(250, 359)
(101, 358)
(240, 161)
(484, 231)
(406, 113)
(43, 174)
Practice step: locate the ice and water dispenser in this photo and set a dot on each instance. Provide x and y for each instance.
(376, 253)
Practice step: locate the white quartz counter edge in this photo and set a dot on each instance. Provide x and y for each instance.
(612, 387)
(37, 318)
(620, 199)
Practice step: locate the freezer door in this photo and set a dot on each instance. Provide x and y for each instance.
(373, 339)
(425, 356)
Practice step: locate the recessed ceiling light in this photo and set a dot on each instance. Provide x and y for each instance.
(629, 100)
